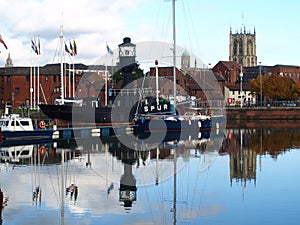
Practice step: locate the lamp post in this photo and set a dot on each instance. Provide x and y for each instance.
(260, 77)
(241, 86)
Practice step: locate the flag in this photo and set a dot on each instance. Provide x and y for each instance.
(74, 48)
(33, 46)
(2, 41)
(66, 49)
(109, 50)
(71, 49)
(39, 48)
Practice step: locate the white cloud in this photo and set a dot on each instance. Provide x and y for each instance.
(90, 23)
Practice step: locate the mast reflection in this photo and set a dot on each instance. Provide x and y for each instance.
(246, 145)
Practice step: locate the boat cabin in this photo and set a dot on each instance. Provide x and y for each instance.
(16, 123)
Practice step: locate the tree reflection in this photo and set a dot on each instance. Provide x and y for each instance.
(245, 144)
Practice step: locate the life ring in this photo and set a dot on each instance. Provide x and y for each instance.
(42, 124)
(43, 150)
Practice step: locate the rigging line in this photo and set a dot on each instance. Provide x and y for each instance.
(148, 200)
(58, 182)
(66, 171)
(188, 183)
(157, 21)
(51, 181)
(186, 24)
(160, 194)
(204, 186)
(195, 31)
(80, 170)
(56, 51)
(194, 194)
(166, 26)
(31, 163)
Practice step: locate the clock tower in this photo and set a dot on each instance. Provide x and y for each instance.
(127, 55)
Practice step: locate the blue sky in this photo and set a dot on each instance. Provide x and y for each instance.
(202, 27)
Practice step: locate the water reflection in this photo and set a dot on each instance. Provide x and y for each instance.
(190, 179)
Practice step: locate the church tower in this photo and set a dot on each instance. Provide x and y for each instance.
(9, 61)
(185, 60)
(242, 48)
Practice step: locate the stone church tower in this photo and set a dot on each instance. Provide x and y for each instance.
(242, 48)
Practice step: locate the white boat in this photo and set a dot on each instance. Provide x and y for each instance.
(16, 153)
(16, 128)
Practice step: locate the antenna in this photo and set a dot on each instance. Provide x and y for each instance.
(242, 18)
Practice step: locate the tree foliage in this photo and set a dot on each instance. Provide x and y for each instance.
(275, 87)
(137, 73)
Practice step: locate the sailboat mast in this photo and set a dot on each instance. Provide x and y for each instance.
(156, 79)
(62, 65)
(174, 54)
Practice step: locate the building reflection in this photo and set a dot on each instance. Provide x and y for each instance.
(245, 149)
(243, 166)
(242, 160)
(246, 146)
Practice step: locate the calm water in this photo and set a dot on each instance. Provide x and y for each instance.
(234, 176)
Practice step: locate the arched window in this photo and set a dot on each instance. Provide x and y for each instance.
(235, 47)
(249, 47)
(241, 50)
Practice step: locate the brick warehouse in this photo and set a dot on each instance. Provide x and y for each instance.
(15, 83)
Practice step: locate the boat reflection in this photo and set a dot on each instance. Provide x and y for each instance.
(104, 176)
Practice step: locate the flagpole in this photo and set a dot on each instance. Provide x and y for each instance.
(38, 82)
(69, 80)
(31, 89)
(109, 51)
(38, 75)
(61, 67)
(106, 80)
(112, 69)
(34, 83)
(74, 53)
(73, 79)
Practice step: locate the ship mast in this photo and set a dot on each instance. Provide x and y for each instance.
(61, 39)
(174, 54)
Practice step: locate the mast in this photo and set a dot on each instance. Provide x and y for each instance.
(175, 184)
(156, 79)
(174, 54)
(62, 65)
(62, 186)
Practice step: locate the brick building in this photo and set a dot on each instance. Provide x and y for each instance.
(15, 83)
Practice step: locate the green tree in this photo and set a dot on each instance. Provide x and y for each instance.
(136, 74)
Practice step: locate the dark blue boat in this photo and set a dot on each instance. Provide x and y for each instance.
(16, 128)
(184, 123)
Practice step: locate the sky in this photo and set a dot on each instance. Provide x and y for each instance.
(202, 28)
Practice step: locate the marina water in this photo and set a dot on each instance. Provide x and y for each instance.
(232, 176)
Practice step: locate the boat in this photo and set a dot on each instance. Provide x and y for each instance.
(100, 114)
(175, 122)
(16, 128)
(123, 103)
(16, 153)
(172, 123)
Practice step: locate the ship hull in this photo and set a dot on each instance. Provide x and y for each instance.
(148, 125)
(85, 114)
